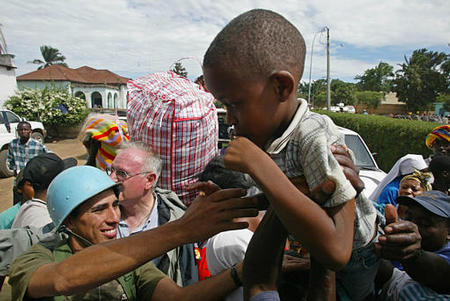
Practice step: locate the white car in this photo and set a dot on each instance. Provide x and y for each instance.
(369, 172)
(8, 131)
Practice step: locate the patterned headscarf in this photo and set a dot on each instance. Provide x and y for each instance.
(111, 132)
(422, 177)
(441, 132)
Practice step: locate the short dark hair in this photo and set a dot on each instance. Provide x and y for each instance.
(216, 172)
(24, 122)
(259, 42)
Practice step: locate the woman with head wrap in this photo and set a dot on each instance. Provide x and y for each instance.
(103, 135)
(387, 190)
(439, 141)
(413, 185)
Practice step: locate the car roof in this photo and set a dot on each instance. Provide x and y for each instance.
(346, 131)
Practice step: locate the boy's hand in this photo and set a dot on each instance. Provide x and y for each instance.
(402, 239)
(240, 153)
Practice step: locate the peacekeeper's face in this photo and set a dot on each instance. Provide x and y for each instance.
(97, 219)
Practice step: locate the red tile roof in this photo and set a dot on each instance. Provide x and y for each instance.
(84, 75)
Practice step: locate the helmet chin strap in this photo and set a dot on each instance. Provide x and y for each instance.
(81, 239)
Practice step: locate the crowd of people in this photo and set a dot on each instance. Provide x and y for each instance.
(279, 216)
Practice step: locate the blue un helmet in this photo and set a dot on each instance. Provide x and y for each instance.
(72, 188)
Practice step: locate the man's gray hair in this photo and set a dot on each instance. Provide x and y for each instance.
(152, 161)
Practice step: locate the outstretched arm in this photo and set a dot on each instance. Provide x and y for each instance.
(103, 262)
(262, 263)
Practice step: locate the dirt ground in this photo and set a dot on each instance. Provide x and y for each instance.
(63, 148)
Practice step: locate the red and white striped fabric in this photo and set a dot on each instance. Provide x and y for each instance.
(178, 121)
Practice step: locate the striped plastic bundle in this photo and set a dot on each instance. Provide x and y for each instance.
(178, 121)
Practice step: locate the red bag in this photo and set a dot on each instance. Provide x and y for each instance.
(178, 121)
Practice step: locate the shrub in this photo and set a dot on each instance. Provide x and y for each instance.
(390, 138)
(54, 107)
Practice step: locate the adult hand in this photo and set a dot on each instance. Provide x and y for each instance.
(204, 188)
(214, 213)
(293, 264)
(402, 239)
(351, 172)
(240, 153)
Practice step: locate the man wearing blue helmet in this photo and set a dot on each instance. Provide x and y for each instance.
(83, 201)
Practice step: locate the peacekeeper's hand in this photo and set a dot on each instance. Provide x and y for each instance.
(241, 153)
(402, 240)
(216, 212)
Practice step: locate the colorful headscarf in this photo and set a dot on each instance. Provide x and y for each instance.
(111, 132)
(441, 132)
(422, 177)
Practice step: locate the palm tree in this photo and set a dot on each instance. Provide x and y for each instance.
(51, 56)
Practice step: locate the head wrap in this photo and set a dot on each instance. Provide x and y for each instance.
(405, 165)
(422, 177)
(441, 132)
(111, 132)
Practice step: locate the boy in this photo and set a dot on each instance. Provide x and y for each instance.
(253, 66)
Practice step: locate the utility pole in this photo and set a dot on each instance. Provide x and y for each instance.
(328, 70)
(310, 64)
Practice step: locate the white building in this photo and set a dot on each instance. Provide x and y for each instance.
(8, 85)
(100, 88)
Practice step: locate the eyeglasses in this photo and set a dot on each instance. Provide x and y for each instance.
(121, 174)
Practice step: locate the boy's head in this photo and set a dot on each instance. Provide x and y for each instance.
(253, 66)
(431, 213)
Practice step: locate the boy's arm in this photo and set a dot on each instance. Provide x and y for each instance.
(262, 263)
(327, 235)
(11, 162)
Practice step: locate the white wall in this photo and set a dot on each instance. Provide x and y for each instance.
(8, 84)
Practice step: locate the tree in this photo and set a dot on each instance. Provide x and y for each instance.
(422, 77)
(51, 56)
(342, 92)
(376, 79)
(369, 98)
(180, 70)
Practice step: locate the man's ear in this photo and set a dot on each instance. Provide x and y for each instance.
(284, 84)
(151, 179)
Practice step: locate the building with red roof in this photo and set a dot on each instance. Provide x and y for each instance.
(100, 88)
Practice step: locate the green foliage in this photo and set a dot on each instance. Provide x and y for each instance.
(369, 98)
(180, 70)
(422, 78)
(390, 138)
(51, 56)
(376, 79)
(342, 92)
(45, 103)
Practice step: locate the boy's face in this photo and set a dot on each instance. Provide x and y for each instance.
(252, 104)
(433, 229)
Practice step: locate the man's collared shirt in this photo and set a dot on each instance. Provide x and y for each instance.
(152, 222)
(19, 154)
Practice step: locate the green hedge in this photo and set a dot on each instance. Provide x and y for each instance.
(390, 138)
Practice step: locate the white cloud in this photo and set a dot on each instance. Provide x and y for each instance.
(140, 36)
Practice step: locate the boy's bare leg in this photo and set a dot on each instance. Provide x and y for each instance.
(322, 283)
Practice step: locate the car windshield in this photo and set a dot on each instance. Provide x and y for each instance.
(362, 156)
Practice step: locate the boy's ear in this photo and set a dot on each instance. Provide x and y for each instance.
(284, 84)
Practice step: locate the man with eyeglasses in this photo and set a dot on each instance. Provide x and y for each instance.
(144, 207)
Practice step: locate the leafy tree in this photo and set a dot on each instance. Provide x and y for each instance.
(369, 98)
(51, 56)
(180, 70)
(342, 92)
(445, 98)
(422, 77)
(376, 79)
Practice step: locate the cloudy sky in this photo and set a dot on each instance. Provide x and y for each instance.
(137, 37)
